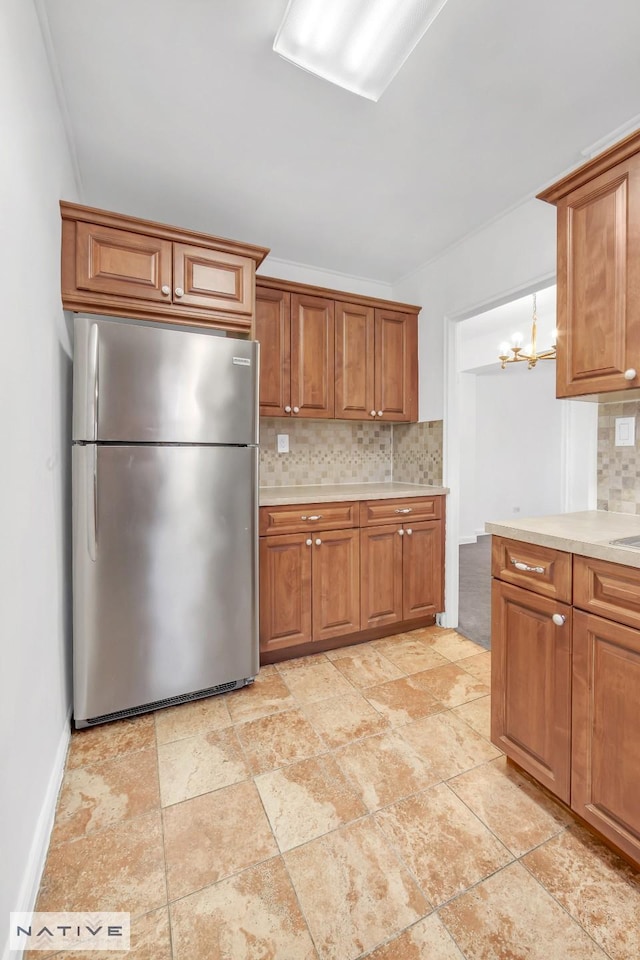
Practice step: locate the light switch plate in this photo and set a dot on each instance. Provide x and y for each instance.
(625, 431)
(282, 442)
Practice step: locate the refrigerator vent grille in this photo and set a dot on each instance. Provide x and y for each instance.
(169, 702)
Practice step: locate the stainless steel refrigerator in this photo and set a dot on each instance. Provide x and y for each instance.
(165, 509)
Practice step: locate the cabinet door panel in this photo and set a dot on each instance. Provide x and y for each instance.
(285, 591)
(213, 279)
(312, 356)
(422, 568)
(381, 575)
(122, 263)
(606, 729)
(336, 583)
(599, 283)
(354, 362)
(531, 684)
(396, 365)
(273, 331)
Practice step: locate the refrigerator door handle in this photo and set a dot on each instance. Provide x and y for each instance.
(92, 504)
(93, 382)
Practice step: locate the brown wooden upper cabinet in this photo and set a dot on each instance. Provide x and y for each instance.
(376, 363)
(367, 368)
(598, 323)
(296, 354)
(129, 267)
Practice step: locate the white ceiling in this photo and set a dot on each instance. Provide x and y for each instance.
(181, 112)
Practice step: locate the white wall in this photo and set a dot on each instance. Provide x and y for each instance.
(35, 377)
(514, 253)
(519, 445)
(316, 276)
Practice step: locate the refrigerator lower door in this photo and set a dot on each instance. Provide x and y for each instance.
(164, 571)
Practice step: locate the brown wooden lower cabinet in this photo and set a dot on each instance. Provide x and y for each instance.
(566, 696)
(285, 591)
(531, 684)
(347, 581)
(309, 587)
(605, 784)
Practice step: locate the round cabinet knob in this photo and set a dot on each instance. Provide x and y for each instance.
(630, 374)
(165, 290)
(401, 533)
(179, 292)
(318, 542)
(296, 409)
(287, 409)
(409, 531)
(558, 619)
(373, 413)
(309, 542)
(379, 413)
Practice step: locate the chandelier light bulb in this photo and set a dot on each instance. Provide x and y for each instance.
(516, 339)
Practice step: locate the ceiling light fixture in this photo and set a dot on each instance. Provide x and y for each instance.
(529, 354)
(358, 44)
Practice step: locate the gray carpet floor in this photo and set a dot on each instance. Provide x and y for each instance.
(474, 617)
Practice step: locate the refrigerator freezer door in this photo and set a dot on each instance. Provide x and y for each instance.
(165, 572)
(154, 383)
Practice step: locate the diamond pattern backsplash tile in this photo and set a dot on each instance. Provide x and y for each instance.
(334, 451)
(618, 467)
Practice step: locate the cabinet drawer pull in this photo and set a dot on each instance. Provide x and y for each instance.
(519, 565)
(308, 542)
(287, 409)
(404, 509)
(179, 292)
(318, 542)
(313, 516)
(558, 619)
(401, 533)
(409, 531)
(630, 374)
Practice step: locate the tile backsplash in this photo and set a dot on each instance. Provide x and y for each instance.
(338, 451)
(618, 467)
(417, 452)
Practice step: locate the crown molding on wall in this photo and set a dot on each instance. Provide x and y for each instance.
(320, 276)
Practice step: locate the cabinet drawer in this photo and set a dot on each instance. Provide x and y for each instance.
(611, 590)
(302, 517)
(399, 511)
(540, 569)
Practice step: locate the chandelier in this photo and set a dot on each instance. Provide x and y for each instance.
(530, 356)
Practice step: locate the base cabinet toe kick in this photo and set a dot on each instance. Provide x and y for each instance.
(566, 681)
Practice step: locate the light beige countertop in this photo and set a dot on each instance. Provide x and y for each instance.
(329, 492)
(587, 533)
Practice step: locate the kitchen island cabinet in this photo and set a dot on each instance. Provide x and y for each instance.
(324, 583)
(127, 267)
(566, 672)
(598, 345)
(327, 354)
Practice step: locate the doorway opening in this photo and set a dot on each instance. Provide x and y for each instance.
(512, 450)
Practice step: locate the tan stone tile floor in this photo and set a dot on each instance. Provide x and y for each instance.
(346, 805)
